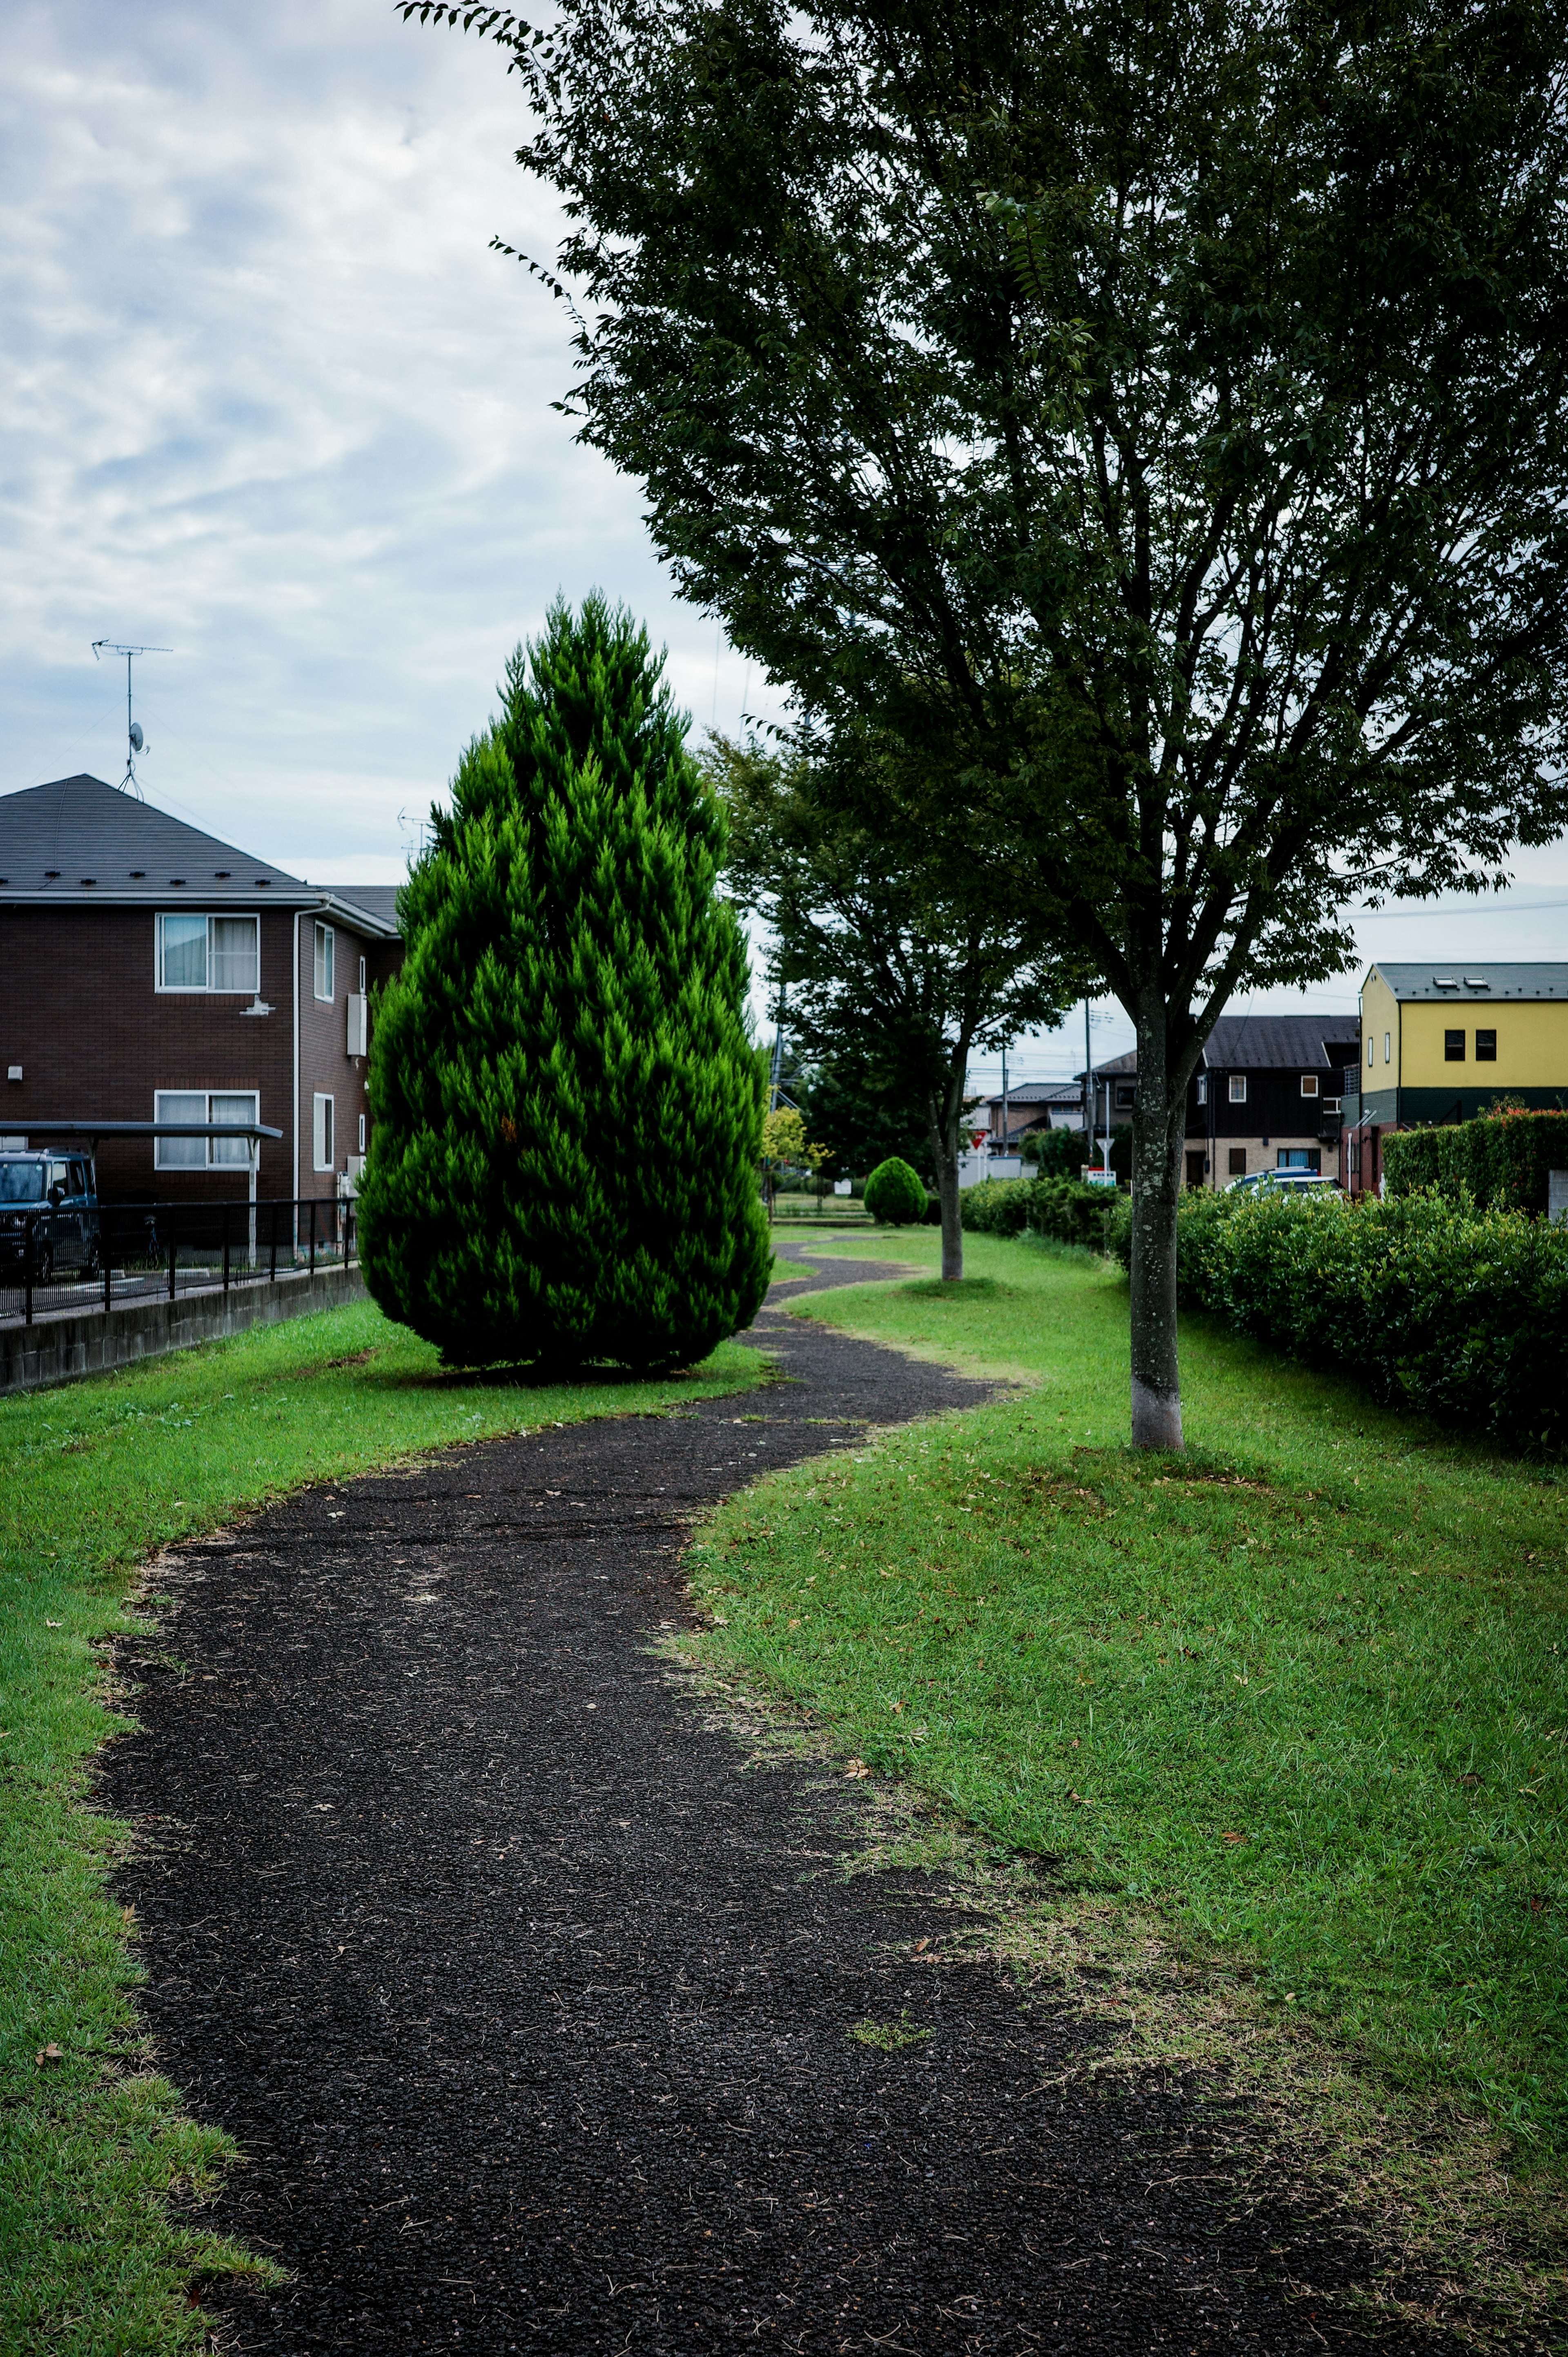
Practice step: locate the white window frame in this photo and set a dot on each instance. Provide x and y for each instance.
(1372, 1053)
(1310, 1085)
(324, 963)
(208, 988)
(164, 1148)
(1203, 1088)
(1238, 1088)
(323, 1125)
(1388, 1046)
(362, 1133)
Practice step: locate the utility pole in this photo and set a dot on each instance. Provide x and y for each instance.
(1087, 1089)
(777, 1074)
(134, 741)
(1005, 1123)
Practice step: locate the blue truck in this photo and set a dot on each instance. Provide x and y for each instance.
(48, 1209)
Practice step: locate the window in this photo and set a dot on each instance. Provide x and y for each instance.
(362, 1133)
(209, 953)
(1453, 1046)
(1309, 1084)
(325, 944)
(361, 977)
(1486, 1047)
(322, 1128)
(204, 1105)
(1125, 1093)
(1238, 1088)
(1237, 1164)
(1298, 1157)
(232, 1151)
(1203, 1088)
(1370, 1055)
(1388, 1046)
(1333, 1105)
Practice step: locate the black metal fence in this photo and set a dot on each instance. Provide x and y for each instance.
(56, 1262)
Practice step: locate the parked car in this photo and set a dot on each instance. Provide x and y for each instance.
(1291, 1182)
(53, 1197)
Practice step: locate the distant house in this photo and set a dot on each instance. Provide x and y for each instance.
(1441, 1043)
(1115, 1093)
(152, 973)
(1266, 1097)
(1033, 1105)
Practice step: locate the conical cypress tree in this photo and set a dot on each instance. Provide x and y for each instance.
(566, 1107)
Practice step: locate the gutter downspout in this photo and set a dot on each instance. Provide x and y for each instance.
(296, 1114)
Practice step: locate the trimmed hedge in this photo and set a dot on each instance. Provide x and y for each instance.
(895, 1195)
(1461, 1313)
(1500, 1160)
(1063, 1208)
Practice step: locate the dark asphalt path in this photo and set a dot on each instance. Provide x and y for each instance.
(531, 2010)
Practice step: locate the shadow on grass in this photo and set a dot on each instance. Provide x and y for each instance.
(957, 1288)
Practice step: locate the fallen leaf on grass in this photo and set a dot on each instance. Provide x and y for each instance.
(1232, 1838)
(49, 2053)
(54, 1624)
(856, 1768)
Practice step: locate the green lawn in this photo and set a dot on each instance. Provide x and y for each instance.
(1299, 1693)
(93, 1478)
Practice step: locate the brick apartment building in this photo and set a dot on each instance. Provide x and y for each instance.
(150, 973)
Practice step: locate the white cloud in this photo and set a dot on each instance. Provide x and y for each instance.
(267, 397)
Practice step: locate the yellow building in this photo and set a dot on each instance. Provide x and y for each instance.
(1443, 1043)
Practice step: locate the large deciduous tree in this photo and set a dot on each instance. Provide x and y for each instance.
(1167, 394)
(897, 929)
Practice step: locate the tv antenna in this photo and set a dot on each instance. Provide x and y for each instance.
(134, 741)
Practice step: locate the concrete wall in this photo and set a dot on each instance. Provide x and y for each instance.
(94, 1342)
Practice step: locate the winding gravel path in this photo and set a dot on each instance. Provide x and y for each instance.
(531, 2009)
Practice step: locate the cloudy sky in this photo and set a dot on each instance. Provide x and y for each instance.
(267, 399)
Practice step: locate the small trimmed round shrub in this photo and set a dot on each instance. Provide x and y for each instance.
(895, 1195)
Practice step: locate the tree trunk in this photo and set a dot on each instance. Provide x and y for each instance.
(944, 1152)
(1158, 1133)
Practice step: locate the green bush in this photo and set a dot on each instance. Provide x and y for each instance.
(1056, 1153)
(1438, 1305)
(1064, 1209)
(567, 1107)
(1499, 1160)
(895, 1195)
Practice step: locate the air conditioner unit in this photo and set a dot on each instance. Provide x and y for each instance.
(348, 1177)
(359, 1024)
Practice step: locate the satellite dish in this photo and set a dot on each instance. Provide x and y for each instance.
(138, 742)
